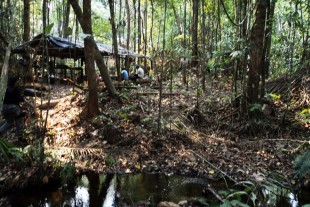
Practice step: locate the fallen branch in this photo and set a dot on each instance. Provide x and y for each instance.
(68, 80)
(212, 190)
(213, 166)
(156, 93)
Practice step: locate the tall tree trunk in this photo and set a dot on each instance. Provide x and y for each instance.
(66, 17)
(195, 33)
(267, 45)
(114, 37)
(203, 41)
(135, 26)
(145, 32)
(92, 107)
(99, 59)
(256, 52)
(26, 36)
(139, 26)
(184, 69)
(237, 46)
(152, 25)
(127, 60)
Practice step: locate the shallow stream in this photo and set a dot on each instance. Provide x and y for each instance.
(109, 190)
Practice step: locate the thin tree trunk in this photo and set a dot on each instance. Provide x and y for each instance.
(139, 26)
(184, 69)
(161, 73)
(127, 61)
(195, 33)
(114, 37)
(135, 26)
(152, 25)
(66, 19)
(203, 27)
(145, 32)
(92, 107)
(177, 18)
(26, 36)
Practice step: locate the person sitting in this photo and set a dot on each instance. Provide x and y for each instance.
(149, 74)
(139, 74)
(12, 111)
(124, 74)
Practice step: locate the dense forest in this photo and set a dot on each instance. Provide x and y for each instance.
(228, 98)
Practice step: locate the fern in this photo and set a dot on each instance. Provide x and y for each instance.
(8, 151)
(302, 164)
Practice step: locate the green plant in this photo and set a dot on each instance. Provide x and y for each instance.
(255, 107)
(273, 96)
(302, 164)
(67, 173)
(9, 151)
(109, 160)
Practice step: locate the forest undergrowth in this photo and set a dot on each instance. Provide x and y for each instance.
(203, 135)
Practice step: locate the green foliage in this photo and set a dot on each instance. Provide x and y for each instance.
(109, 160)
(123, 115)
(255, 107)
(233, 203)
(9, 151)
(124, 95)
(67, 174)
(68, 31)
(305, 113)
(302, 164)
(273, 96)
(49, 28)
(32, 152)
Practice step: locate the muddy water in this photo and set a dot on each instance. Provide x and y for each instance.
(108, 190)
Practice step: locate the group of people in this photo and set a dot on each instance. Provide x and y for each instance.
(139, 74)
(14, 115)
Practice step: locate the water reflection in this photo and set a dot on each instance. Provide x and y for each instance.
(115, 190)
(109, 190)
(81, 197)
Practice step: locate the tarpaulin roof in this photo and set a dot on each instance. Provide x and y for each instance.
(66, 48)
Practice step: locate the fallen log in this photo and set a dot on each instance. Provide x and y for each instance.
(33, 92)
(37, 86)
(51, 104)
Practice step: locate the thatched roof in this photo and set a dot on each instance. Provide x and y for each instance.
(66, 48)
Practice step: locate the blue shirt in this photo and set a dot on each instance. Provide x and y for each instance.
(124, 74)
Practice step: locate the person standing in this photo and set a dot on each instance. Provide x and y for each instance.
(12, 111)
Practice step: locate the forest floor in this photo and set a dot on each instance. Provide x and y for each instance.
(212, 140)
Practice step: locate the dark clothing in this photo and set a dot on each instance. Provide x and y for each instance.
(12, 96)
(12, 111)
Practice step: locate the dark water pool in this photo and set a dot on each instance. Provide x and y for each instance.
(109, 190)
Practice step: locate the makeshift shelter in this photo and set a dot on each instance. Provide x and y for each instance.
(67, 48)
